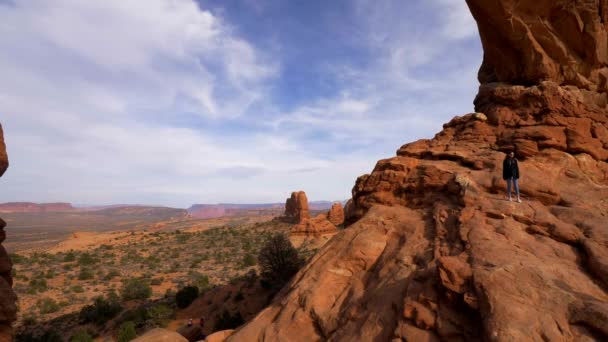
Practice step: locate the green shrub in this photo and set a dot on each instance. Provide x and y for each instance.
(248, 260)
(101, 311)
(69, 257)
(85, 274)
(37, 285)
(279, 260)
(126, 332)
(136, 289)
(81, 336)
(47, 305)
(86, 259)
(184, 297)
(199, 280)
(160, 315)
(77, 289)
(111, 275)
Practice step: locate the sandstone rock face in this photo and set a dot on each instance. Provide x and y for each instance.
(433, 251)
(336, 214)
(526, 42)
(296, 207)
(315, 226)
(8, 299)
(160, 335)
(219, 336)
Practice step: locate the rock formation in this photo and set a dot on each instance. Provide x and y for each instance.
(8, 299)
(296, 207)
(336, 214)
(434, 252)
(315, 226)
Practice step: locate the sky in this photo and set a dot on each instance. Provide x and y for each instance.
(175, 102)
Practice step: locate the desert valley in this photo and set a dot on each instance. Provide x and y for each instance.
(427, 247)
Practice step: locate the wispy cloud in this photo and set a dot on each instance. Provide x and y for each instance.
(168, 102)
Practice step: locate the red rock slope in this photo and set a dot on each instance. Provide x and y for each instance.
(8, 309)
(434, 252)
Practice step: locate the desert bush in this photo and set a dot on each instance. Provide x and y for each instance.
(47, 305)
(185, 296)
(136, 289)
(81, 336)
(156, 281)
(77, 289)
(160, 315)
(111, 275)
(248, 260)
(85, 274)
(278, 260)
(101, 311)
(86, 259)
(126, 332)
(228, 321)
(199, 280)
(37, 285)
(17, 259)
(69, 256)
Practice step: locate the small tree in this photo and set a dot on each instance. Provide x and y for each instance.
(279, 260)
(101, 311)
(136, 289)
(186, 296)
(126, 332)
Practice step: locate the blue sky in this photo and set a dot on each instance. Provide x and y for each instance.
(175, 102)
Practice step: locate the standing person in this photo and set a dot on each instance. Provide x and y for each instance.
(510, 173)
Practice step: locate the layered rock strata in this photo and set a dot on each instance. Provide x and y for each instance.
(433, 251)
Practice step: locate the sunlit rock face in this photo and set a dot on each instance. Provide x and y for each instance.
(432, 249)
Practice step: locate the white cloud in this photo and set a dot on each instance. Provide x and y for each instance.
(129, 101)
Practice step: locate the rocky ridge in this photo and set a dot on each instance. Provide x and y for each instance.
(433, 251)
(8, 299)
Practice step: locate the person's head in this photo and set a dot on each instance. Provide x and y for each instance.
(509, 155)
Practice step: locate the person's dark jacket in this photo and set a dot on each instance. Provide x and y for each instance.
(510, 169)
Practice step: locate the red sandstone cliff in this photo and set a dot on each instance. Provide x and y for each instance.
(434, 252)
(8, 309)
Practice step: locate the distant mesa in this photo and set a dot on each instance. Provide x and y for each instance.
(29, 207)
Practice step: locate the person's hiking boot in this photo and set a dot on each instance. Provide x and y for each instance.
(518, 200)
